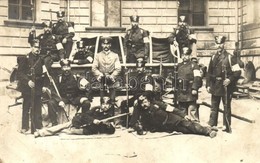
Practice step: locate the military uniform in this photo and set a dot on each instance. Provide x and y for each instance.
(157, 119)
(138, 84)
(48, 44)
(136, 43)
(181, 35)
(220, 65)
(85, 121)
(189, 79)
(70, 93)
(24, 75)
(83, 54)
(61, 30)
(107, 63)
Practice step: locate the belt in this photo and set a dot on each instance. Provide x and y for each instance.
(218, 78)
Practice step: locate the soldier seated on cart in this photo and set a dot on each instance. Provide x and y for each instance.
(156, 116)
(106, 68)
(68, 91)
(83, 54)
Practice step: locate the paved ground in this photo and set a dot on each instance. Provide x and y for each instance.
(243, 145)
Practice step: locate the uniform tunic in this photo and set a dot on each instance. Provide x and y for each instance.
(24, 76)
(221, 65)
(135, 44)
(156, 118)
(181, 35)
(85, 121)
(64, 30)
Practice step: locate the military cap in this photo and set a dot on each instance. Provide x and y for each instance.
(60, 14)
(106, 100)
(106, 40)
(36, 43)
(186, 50)
(46, 24)
(64, 62)
(140, 62)
(182, 18)
(134, 18)
(80, 44)
(220, 39)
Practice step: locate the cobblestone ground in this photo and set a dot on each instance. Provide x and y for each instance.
(240, 146)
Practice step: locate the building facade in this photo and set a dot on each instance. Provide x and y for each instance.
(238, 20)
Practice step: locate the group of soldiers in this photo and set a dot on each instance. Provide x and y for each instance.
(149, 112)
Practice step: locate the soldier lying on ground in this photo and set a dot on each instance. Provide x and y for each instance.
(156, 116)
(87, 123)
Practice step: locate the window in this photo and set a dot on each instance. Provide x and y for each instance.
(21, 9)
(194, 10)
(105, 13)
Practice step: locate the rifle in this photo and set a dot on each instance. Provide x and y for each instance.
(127, 95)
(175, 84)
(225, 101)
(114, 117)
(32, 101)
(56, 89)
(233, 115)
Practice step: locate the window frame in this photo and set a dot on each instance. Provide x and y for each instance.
(20, 6)
(190, 13)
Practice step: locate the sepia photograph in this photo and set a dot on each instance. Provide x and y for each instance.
(123, 81)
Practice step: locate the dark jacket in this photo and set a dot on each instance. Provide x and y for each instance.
(85, 121)
(134, 42)
(24, 74)
(219, 67)
(155, 117)
(62, 30)
(188, 79)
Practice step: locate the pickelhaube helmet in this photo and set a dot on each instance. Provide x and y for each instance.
(36, 43)
(46, 24)
(106, 100)
(220, 39)
(80, 44)
(60, 14)
(182, 18)
(134, 18)
(64, 62)
(186, 50)
(140, 62)
(106, 40)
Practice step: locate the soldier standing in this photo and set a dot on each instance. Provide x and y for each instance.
(182, 36)
(64, 32)
(48, 45)
(106, 67)
(136, 42)
(189, 81)
(68, 87)
(32, 83)
(221, 77)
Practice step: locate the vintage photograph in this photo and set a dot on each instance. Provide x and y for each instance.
(156, 81)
